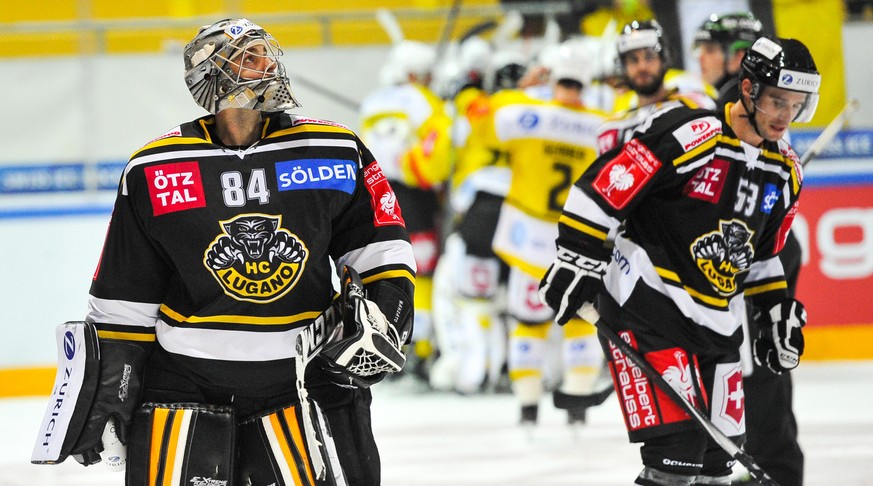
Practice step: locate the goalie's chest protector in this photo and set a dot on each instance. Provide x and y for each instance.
(246, 232)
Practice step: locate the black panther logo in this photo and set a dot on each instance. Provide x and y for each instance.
(256, 259)
(724, 253)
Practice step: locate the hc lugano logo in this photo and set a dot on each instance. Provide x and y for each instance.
(255, 259)
(724, 253)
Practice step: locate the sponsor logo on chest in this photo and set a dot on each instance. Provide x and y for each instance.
(708, 182)
(334, 174)
(175, 187)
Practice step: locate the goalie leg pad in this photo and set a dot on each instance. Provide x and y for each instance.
(181, 444)
(273, 449)
(72, 394)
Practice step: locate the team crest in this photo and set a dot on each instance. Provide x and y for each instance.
(255, 259)
(724, 253)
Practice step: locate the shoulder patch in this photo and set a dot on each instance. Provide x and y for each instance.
(607, 140)
(386, 210)
(300, 120)
(625, 175)
(697, 131)
(176, 132)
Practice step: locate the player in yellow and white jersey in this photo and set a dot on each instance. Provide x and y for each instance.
(548, 144)
(406, 127)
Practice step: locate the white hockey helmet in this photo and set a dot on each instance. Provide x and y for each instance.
(410, 57)
(216, 78)
(574, 61)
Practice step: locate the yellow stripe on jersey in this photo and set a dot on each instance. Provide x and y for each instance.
(310, 127)
(126, 336)
(170, 141)
(390, 274)
(674, 277)
(582, 227)
(694, 153)
(769, 287)
(231, 319)
(788, 161)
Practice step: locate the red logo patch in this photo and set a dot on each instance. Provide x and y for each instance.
(700, 126)
(782, 235)
(175, 187)
(675, 367)
(623, 177)
(708, 182)
(386, 210)
(607, 140)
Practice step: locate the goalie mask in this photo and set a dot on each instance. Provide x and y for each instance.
(785, 64)
(234, 63)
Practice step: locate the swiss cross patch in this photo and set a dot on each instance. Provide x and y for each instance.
(623, 177)
(708, 182)
(175, 187)
(735, 399)
(386, 210)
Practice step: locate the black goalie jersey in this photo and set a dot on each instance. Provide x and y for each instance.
(705, 215)
(222, 255)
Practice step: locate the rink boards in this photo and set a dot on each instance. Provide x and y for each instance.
(60, 212)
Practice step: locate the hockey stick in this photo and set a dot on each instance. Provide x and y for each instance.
(448, 28)
(326, 92)
(831, 131)
(590, 314)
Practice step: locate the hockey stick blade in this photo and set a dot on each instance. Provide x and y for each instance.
(830, 131)
(589, 313)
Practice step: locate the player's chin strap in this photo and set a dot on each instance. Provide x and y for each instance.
(309, 343)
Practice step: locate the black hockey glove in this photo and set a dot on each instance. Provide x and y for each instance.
(122, 366)
(572, 281)
(779, 344)
(365, 346)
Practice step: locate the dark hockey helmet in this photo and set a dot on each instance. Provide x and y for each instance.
(216, 79)
(733, 32)
(785, 64)
(642, 34)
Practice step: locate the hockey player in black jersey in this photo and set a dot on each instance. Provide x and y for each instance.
(771, 427)
(706, 200)
(218, 262)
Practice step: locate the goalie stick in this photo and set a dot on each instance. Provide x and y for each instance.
(589, 313)
(831, 131)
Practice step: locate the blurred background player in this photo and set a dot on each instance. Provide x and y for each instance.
(720, 44)
(645, 62)
(406, 126)
(470, 280)
(548, 144)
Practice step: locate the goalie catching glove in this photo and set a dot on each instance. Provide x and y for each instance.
(779, 344)
(572, 281)
(364, 346)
